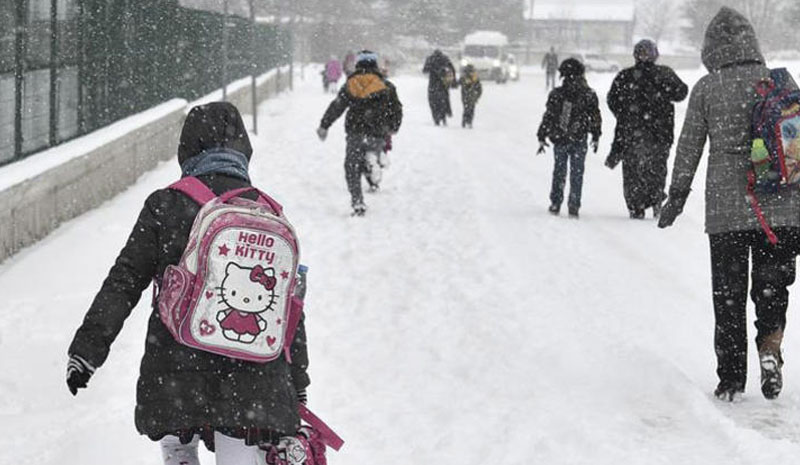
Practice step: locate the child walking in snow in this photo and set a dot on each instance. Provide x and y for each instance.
(573, 112)
(185, 394)
(374, 113)
(471, 91)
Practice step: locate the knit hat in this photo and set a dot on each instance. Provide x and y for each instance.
(645, 51)
(366, 60)
(571, 67)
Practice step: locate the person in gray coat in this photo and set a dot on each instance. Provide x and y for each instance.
(720, 109)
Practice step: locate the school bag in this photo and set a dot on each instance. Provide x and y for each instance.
(232, 293)
(775, 148)
(308, 446)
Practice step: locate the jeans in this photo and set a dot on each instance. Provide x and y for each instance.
(773, 272)
(355, 162)
(574, 154)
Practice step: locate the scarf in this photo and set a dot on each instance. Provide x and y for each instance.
(219, 160)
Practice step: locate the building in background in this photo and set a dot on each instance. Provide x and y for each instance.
(587, 25)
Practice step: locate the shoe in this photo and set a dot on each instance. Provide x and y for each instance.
(554, 209)
(729, 392)
(359, 209)
(373, 188)
(771, 378)
(573, 213)
(636, 214)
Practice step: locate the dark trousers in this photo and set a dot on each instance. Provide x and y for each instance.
(469, 113)
(355, 162)
(644, 175)
(550, 80)
(773, 272)
(574, 155)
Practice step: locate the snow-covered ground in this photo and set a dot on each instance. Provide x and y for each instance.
(457, 323)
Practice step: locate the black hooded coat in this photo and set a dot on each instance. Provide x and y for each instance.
(441, 76)
(182, 390)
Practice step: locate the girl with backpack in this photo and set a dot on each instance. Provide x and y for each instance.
(184, 394)
(721, 107)
(573, 112)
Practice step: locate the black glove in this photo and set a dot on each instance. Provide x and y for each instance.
(595, 145)
(542, 145)
(78, 373)
(672, 208)
(302, 396)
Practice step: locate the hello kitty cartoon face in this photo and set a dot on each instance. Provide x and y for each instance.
(248, 290)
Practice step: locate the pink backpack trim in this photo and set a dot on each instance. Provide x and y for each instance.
(329, 437)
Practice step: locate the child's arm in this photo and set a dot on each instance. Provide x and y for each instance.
(299, 351)
(131, 274)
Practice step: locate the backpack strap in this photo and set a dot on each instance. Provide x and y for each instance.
(329, 437)
(293, 321)
(751, 195)
(195, 189)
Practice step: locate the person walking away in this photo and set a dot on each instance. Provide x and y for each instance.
(471, 91)
(441, 77)
(185, 394)
(333, 72)
(572, 114)
(720, 109)
(642, 99)
(550, 65)
(374, 113)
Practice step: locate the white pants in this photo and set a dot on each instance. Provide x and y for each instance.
(229, 451)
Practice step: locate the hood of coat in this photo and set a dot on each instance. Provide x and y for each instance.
(210, 126)
(730, 39)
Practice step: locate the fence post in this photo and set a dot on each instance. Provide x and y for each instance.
(253, 67)
(225, 52)
(53, 72)
(19, 74)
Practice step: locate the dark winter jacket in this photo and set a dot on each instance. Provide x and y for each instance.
(180, 388)
(572, 112)
(641, 98)
(471, 89)
(441, 77)
(374, 108)
(440, 70)
(720, 109)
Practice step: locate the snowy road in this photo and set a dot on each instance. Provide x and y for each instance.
(457, 323)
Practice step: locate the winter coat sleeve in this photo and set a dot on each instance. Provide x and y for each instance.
(428, 67)
(478, 90)
(595, 119)
(614, 99)
(394, 111)
(692, 141)
(336, 108)
(128, 278)
(299, 350)
(548, 120)
(671, 85)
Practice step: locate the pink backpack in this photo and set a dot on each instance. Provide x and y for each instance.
(232, 293)
(308, 446)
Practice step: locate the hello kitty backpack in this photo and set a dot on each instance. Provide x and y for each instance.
(232, 293)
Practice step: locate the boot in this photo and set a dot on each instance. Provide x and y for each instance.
(728, 391)
(769, 356)
(554, 209)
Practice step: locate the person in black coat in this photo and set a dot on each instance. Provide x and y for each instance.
(375, 114)
(642, 99)
(572, 114)
(471, 90)
(441, 77)
(184, 393)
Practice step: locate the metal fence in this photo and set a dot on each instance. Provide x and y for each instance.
(68, 67)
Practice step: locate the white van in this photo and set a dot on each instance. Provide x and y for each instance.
(486, 51)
